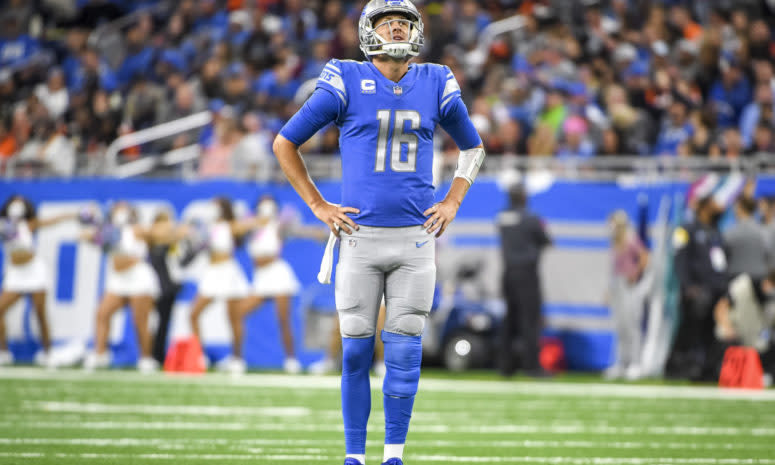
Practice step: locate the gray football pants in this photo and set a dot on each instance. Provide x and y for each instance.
(398, 263)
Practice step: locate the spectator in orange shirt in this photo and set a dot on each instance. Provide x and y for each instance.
(681, 19)
(7, 142)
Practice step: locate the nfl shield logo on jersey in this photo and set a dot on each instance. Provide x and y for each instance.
(397, 90)
(352, 242)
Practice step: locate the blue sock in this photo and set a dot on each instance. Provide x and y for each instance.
(403, 355)
(356, 391)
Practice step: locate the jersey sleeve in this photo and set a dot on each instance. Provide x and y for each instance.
(450, 89)
(332, 79)
(453, 114)
(321, 108)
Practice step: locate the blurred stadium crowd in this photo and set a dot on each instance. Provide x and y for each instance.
(579, 78)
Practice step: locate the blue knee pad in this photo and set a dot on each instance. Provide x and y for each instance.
(403, 355)
(357, 354)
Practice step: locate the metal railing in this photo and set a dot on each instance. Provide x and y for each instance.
(184, 156)
(151, 134)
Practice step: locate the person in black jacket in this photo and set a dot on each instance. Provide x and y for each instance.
(163, 234)
(523, 237)
(701, 267)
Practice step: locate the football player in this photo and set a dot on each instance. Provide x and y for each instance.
(387, 110)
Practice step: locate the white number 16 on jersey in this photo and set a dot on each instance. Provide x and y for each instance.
(399, 137)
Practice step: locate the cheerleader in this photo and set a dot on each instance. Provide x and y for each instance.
(25, 272)
(273, 279)
(223, 278)
(129, 280)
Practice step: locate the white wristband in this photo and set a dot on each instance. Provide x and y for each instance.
(468, 164)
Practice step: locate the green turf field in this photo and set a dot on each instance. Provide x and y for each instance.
(117, 417)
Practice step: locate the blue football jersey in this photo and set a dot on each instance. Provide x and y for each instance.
(386, 137)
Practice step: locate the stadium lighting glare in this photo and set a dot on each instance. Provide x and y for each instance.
(462, 348)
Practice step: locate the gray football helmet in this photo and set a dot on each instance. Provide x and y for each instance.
(374, 44)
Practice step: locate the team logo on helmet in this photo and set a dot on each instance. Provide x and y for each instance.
(374, 44)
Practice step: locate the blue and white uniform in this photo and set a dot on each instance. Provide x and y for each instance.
(224, 279)
(386, 140)
(137, 280)
(277, 277)
(27, 277)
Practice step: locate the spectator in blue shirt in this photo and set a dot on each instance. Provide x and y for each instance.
(676, 130)
(753, 111)
(75, 41)
(92, 74)
(239, 30)
(139, 57)
(170, 61)
(16, 49)
(277, 86)
(212, 21)
(730, 93)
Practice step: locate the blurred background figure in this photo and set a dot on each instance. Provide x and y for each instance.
(627, 296)
(745, 316)
(701, 267)
(217, 159)
(523, 237)
(163, 234)
(25, 274)
(746, 242)
(273, 278)
(766, 210)
(223, 278)
(129, 280)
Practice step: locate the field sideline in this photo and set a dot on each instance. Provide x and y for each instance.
(120, 417)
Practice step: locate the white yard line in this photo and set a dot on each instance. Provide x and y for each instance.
(577, 428)
(591, 460)
(278, 444)
(547, 388)
(203, 457)
(198, 410)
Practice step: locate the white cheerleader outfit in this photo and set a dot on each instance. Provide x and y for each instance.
(27, 277)
(224, 280)
(277, 278)
(137, 280)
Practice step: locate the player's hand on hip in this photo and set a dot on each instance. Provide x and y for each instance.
(335, 217)
(441, 214)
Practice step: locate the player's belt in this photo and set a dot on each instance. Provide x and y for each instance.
(327, 263)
